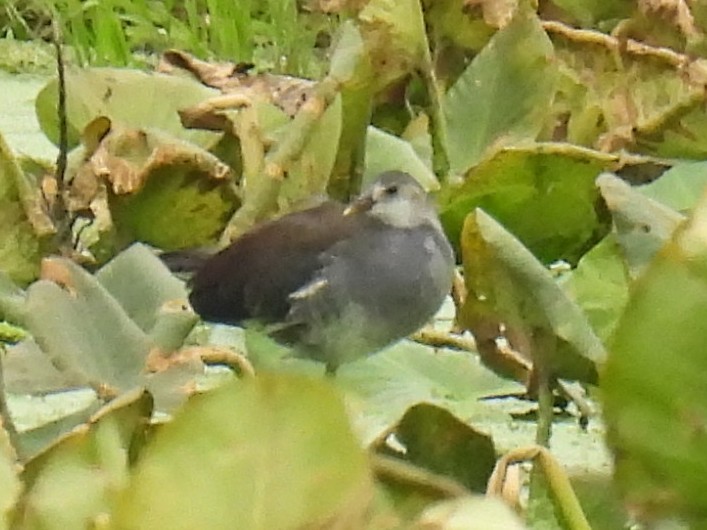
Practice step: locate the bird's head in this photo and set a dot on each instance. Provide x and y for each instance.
(397, 199)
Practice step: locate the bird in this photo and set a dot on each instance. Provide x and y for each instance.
(335, 282)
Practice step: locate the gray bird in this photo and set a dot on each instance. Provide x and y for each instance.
(336, 283)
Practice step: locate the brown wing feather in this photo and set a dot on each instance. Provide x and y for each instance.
(253, 277)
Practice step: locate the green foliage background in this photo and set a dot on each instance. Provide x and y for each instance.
(565, 144)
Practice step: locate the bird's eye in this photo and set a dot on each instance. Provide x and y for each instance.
(391, 190)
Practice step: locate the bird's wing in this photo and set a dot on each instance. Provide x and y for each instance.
(255, 276)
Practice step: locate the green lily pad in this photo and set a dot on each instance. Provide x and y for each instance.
(451, 21)
(600, 285)
(24, 225)
(35, 441)
(271, 452)
(12, 299)
(642, 225)
(130, 98)
(153, 298)
(181, 198)
(113, 332)
(680, 187)
(28, 370)
(308, 174)
(590, 12)
(83, 329)
(653, 382)
(644, 103)
(431, 437)
(385, 385)
(10, 485)
(508, 287)
(504, 94)
(544, 194)
(385, 152)
(71, 484)
(394, 37)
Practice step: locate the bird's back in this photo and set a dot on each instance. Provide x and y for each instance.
(254, 276)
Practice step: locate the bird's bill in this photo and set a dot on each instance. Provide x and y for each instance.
(362, 204)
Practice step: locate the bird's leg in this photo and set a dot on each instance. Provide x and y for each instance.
(330, 369)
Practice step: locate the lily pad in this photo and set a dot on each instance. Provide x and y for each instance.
(470, 29)
(653, 383)
(433, 438)
(146, 293)
(35, 441)
(12, 299)
(590, 12)
(151, 187)
(394, 37)
(113, 332)
(28, 370)
(387, 384)
(507, 287)
(504, 94)
(24, 225)
(271, 452)
(642, 225)
(544, 194)
(72, 483)
(600, 285)
(83, 329)
(679, 188)
(130, 98)
(386, 152)
(308, 174)
(10, 485)
(648, 102)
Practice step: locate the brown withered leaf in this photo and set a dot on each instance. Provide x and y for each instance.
(26, 228)
(159, 361)
(210, 74)
(651, 101)
(125, 158)
(496, 13)
(675, 12)
(54, 270)
(212, 114)
(238, 85)
(121, 177)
